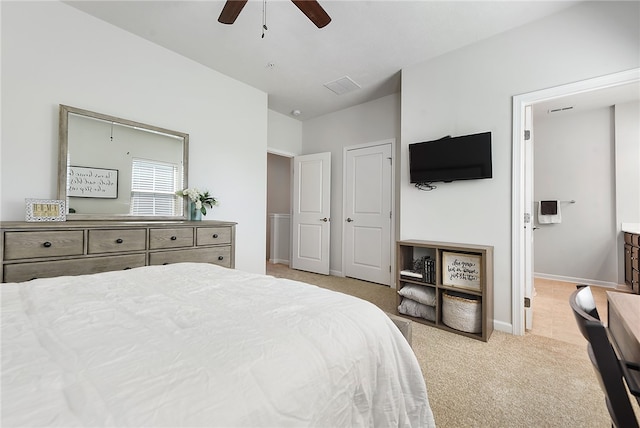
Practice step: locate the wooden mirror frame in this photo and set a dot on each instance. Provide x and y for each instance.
(63, 155)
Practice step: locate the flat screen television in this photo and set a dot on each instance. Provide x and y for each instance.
(467, 157)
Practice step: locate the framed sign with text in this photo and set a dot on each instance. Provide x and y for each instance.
(84, 182)
(45, 210)
(461, 270)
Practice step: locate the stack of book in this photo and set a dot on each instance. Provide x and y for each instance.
(424, 269)
(429, 270)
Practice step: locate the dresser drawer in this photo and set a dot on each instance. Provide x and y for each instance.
(21, 245)
(38, 250)
(632, 239)
(635, 255)
(116, 240)
(170, 238)
(213, 235)
(20, 272)
(216, 255)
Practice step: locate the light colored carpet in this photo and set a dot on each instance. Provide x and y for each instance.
(509, 381)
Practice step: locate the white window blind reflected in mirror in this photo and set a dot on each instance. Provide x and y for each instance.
(152, 188)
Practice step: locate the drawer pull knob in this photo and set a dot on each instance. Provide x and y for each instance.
(47, 244)
(215, 235)
(220, 258)
(173, 238)
(119, 241)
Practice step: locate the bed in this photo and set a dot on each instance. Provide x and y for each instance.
(195, 344)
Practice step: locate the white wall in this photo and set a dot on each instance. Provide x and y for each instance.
(54, 54)
(284, 134)
(627, 155)
(574, 160)
(471, 89)
(366, 123)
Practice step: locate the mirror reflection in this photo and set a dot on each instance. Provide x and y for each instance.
(111, 167)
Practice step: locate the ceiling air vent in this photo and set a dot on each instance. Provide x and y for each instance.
(342, 85)
(556, 110)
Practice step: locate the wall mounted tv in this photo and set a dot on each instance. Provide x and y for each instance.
(448, 159)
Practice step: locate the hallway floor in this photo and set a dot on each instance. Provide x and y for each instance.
(552, 315)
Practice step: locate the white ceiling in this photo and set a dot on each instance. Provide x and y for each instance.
(368, 41)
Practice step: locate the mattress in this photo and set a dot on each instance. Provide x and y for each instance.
(193, 344)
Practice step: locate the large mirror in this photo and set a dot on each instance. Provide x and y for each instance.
(110, 168)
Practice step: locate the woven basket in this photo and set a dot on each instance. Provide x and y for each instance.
(462, 313)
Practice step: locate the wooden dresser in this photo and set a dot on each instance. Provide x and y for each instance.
(38, 250)
(631, 257)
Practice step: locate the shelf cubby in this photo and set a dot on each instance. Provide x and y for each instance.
(463, 271)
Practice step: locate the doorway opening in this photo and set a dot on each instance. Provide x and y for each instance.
(522, 198)
(278, 208)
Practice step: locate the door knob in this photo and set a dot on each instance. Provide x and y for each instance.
(349, 219)
(324, 219)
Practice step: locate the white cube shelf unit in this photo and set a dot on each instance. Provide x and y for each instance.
(459, 276)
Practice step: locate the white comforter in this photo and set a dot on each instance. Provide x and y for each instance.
(199, 345)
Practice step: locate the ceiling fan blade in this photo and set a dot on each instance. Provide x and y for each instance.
(314, 12)
(230, 11)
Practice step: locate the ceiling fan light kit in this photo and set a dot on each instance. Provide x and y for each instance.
(311, 8)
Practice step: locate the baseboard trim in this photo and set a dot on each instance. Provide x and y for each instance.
(503, 326)
(584, 281)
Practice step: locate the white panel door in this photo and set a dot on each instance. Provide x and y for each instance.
(530, 212)
(367, 227)
(311, 211)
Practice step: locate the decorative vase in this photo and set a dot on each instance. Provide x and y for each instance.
(194, 213)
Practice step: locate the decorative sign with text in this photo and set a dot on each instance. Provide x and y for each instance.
(461, 270)
(85, 182)
(44, 210)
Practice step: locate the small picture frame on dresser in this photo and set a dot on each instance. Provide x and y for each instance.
(45, 210)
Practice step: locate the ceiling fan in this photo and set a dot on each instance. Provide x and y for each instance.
(311, 8)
